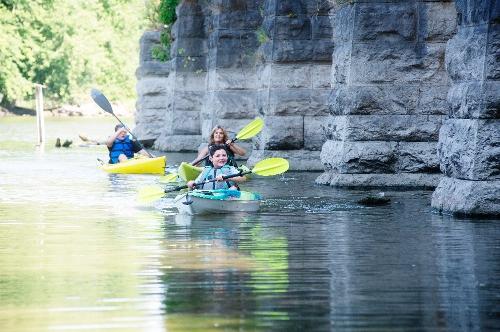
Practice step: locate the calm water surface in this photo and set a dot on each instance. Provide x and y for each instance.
(78, 253)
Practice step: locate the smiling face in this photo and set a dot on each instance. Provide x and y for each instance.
(218, 135)
(219, 158)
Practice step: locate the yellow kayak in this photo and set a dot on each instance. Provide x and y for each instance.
(138, 166)
(187, 172)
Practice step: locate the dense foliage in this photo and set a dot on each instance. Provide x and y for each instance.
(69, 46)
(166, 16)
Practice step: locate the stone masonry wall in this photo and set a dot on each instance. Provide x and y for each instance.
(152, 78)
(186, 83)
(388, 97)
(231, 85)
(469, 140)
(296, 48)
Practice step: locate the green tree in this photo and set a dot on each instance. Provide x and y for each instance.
(69, 46)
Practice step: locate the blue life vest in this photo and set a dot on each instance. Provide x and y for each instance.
(121, 147)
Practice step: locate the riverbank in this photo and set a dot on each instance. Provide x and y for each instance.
(123, 109)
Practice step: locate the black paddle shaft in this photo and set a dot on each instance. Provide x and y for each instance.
(207, 181)
(103, 102)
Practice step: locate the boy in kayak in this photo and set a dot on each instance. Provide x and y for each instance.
(121, 147)
(219, 136)
(220, 168)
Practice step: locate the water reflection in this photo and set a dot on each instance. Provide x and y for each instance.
(78, 253)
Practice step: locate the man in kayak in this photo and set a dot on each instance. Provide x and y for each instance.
(220, 136)
(121, 147)
(219, 159)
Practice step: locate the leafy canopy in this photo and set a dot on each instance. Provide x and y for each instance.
(69, 46)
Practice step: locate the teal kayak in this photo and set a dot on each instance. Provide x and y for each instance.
(217, 201)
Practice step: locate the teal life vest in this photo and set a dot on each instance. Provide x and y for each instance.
(119, 147)
(210, 173)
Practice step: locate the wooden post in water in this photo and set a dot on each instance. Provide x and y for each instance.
(40, 124)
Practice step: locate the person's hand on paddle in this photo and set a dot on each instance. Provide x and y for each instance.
(191, 184)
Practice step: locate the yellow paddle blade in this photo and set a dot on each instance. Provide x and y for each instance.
(271, 166)
(149, 194)
(169, 178)
(251, 129)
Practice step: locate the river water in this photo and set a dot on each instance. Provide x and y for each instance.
(79, 253)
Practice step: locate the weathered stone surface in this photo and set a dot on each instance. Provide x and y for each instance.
(382, 62)
(232, 103)
(412, 128)
(181, 143)
(379, 157)
(465, 54)
(233, 79)
(437, 21)
(282, 133)
(402, 180)
(475, 100)
(470, 149)
(469, 142)
(382, 22)
(462, 197)
(389, 99)
(314, 132)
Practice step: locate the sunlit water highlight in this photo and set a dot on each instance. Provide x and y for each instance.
(78, 253)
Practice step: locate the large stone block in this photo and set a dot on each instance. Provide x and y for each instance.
(474, 12)
(475, 100)
(284, 7)
(342, 24)
(493, 51)
(383, 62)
(156, 102)
(409, 128)
(383, 21)
(321, 27)
(151, 86)
(282, 133)
(417, 157)
(320, 76)
(177, 143)
(288, 75)
(470, 149)
(314, 132)
(191, 64)
(437, 21)
(194, 47)
(189, 26)
(233, 78)
(465, 54)
(401, 180)
(288, 27)
(463, 197)
(186, 122)
(238, 19)
(188, 100)
(322, 50)
(359, 157)
(153, 68)
(374, 99)
(234, 104)
(288, 102)
(292, 50)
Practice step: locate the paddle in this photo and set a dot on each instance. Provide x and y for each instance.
(104, 103)
(266, 167)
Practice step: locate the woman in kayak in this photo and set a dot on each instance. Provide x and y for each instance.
(121, 147)
(220, 136)
(220, 168)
